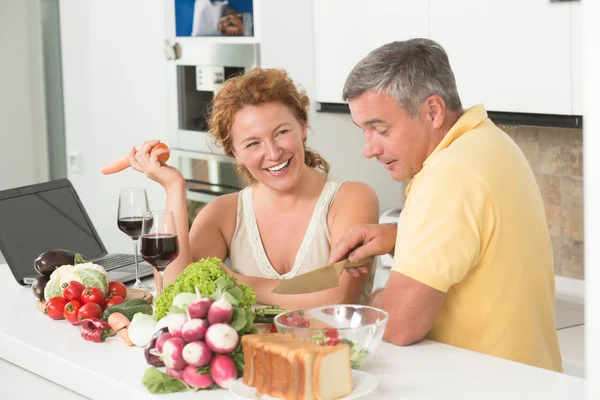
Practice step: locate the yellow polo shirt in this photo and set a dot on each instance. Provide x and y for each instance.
(474, 226)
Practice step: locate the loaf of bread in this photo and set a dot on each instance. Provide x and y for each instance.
(280, 365)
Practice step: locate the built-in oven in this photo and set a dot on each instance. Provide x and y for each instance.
(207, 176)
(196, 71)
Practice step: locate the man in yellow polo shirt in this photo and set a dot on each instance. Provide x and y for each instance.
(473, 263)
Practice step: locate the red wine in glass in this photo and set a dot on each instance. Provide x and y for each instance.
(131, 226)
(133, 203)
(159, 249)
(159, 242)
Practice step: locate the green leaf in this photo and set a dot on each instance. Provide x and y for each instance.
(232, 300)
(249, 321)
(239, 319)
(203, 370)
(237, 293)
(157, 382)
(79, 259)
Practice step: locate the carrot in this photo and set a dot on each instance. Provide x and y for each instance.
(123, 163)
(116, 322)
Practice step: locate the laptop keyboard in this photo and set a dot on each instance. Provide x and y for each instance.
(113, 261)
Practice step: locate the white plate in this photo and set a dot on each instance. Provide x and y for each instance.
(363, 383)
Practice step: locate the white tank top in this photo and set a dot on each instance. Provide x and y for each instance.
(247, 254)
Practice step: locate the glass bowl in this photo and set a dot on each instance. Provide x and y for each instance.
(361, 327)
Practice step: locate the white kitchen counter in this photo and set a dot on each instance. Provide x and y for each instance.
(429, 370)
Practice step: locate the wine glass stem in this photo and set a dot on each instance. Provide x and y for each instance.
(135, 255)
(159, 284)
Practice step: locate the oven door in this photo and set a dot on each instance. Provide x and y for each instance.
(207, 176)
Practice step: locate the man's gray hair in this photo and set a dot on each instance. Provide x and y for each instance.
(409, 71)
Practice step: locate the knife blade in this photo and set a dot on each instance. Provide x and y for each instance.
(323, 278)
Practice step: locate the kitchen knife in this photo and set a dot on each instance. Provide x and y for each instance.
(323, 278)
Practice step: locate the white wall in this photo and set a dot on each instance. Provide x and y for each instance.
(115, 97)
(288, 43)
(24, 158)
(591, 131)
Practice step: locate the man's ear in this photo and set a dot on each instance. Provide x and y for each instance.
(436, 110)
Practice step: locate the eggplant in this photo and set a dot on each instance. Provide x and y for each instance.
(39, 285)
(48, 261)
(152, 359)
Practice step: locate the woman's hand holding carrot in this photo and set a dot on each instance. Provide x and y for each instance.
(147, 160)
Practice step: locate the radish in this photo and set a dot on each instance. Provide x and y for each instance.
(194, 329)
(221, 338)
(161, 341)
(171, 353)
(197, 380)
(199, 308)
(175, 373)
(220, 311)
(197, 354)
(176, 323)
(223, 370)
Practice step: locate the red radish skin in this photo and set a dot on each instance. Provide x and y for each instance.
(220, 311)
(197, 354)
(195, 379)
(175, 373)
(194, 329)
(223, 370)
(176, 323)
(221, 338)
(199, 308)
(161, 341)
(171, 353)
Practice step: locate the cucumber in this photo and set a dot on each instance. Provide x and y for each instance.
(129, 309)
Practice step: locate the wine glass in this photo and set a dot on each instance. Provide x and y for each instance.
(133, 203)
(159, 242)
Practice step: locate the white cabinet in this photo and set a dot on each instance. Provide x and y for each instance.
(346, 30)
(510, 55)
(576, 58)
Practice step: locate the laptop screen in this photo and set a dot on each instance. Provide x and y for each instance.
(31, 224)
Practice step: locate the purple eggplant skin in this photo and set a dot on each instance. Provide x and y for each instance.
(48, 261)
(151, 359)
(39, 285)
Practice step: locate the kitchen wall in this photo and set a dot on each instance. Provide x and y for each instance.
(22, 109)
(556, 157)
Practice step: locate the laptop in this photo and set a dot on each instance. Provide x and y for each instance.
(48, 216)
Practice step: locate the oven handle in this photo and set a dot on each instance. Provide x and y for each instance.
(211, 184)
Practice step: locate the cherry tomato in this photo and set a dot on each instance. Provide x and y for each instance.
(54, 307)
(89, 310)
(331, 333)
(71, 310)
(93, 295)
(72, 290)
(114, 301)
(117, 289)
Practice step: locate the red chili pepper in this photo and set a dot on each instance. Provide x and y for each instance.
(94, 322)
(95, 330)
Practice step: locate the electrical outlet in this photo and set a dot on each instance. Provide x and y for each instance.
(75, 162)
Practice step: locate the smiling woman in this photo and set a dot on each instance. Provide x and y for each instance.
(283, 223)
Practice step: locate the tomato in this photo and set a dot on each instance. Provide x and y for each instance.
(71, 310)
(72, 290)
(89, 310)
(93, 295)
(114, 301)
(331, 333)
(54, 307)
(117, 289)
